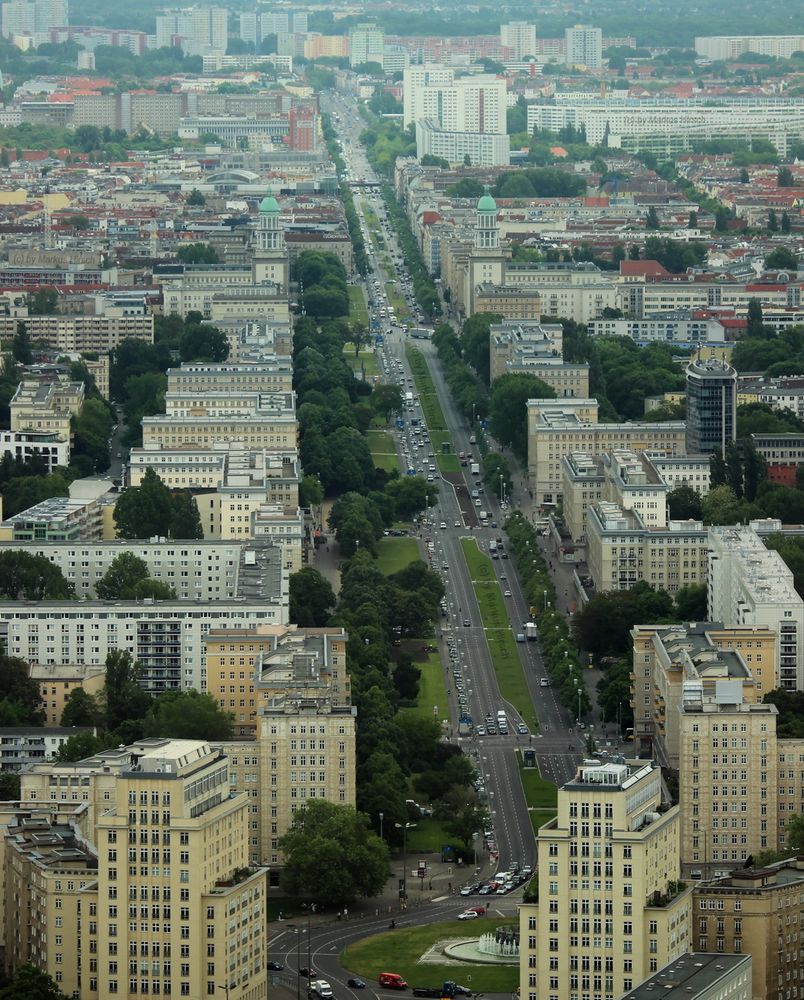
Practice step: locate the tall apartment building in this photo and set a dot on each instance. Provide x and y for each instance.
(750, 585)
(480, 149)
(583, 46)
(520, 37)
(366, 44)
(699, 976)
(533, 349)
(558, 427)
(46, 406)
(35, 18)
(711, 406)
(415, 79)
(290, 695)
(464, 104)
(196, 31)
(172, 906)
(58, 681)
(756, 912)
(668, 657)
(728, 795)
(611, 908)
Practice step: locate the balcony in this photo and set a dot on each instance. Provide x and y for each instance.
(661, 900)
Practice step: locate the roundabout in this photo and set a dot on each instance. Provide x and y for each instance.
(426, 955)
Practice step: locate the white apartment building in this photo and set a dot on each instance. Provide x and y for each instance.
(22, 746)
(366, 44)
(482, 149)
(749, 584)
(47, 445)
(783, 397)
(663, 328)
(415, 78)
(682, 470)
(583, 46)
(257, 420)
(80, 334)
(197, 31)
(729, 47)
(465, 104)
(167, 637)
(197, 570)
(667, 125)
(520, 37)
(33, 18)
(612, 909)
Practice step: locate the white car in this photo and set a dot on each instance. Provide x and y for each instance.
(443, 525)
(468, 915)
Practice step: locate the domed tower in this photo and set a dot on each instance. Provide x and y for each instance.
(270, 253)
(486, 264)
(487, 233)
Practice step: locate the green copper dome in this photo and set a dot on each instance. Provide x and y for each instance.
(269, 205)
(487, 203)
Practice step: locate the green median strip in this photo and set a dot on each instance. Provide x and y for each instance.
(501, 642)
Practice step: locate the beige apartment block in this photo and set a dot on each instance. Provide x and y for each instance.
(226, 466)
(273, 430)
(728, 793)
(622, 549)
(58, 681)
(611, 908)
(272, 374)
(80, 334)
(621, 477)
(248, 668)
(668, 657)
(279, 772)
(559, 427)
(46, 406)
(757, 912)
(790, 784)
(512, 342)
(173, 905)
(583, 484)
(512, 303)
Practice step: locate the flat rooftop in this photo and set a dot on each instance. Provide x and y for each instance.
(689, 976)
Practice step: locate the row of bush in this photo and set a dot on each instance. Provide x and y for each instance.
(559, 651)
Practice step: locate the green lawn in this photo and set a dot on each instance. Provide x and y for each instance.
(538, 817)
(432, 691)
(398, 302)
(383, 452)
(394, 554)
(365, 361)
(358, 311)
(402, 949)
(500, 638)
(448, 463)
(540, 794)
(428, 836)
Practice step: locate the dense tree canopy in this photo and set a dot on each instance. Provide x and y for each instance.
(151, 509)
(312, 598)
(332, 856)
(27, 577)
(508, 411)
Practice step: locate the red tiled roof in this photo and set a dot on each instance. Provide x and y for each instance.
(648, 268)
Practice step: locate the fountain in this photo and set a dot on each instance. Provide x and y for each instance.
(497, 947)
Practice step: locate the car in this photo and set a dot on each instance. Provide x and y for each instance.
(480, 731)
(502, 890)
(467, 623)
(305, 972)
(457, 524)
(355, 983)
(484, 890)
(468, 915)
(507, 593)
(544, 682)
(321, 988)
(466, 890)
(491, 730)
(522, 729)
(276, 966)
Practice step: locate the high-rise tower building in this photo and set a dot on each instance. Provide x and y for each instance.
(611, 908)
(583, 46)
(519, 36)
(711, 406)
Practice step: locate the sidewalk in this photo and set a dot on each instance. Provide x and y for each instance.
(443, 879)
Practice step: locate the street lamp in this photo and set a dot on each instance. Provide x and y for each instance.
(545, 600)
(382, 817)
(404, 828)
(579, 703)
(225, 989)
